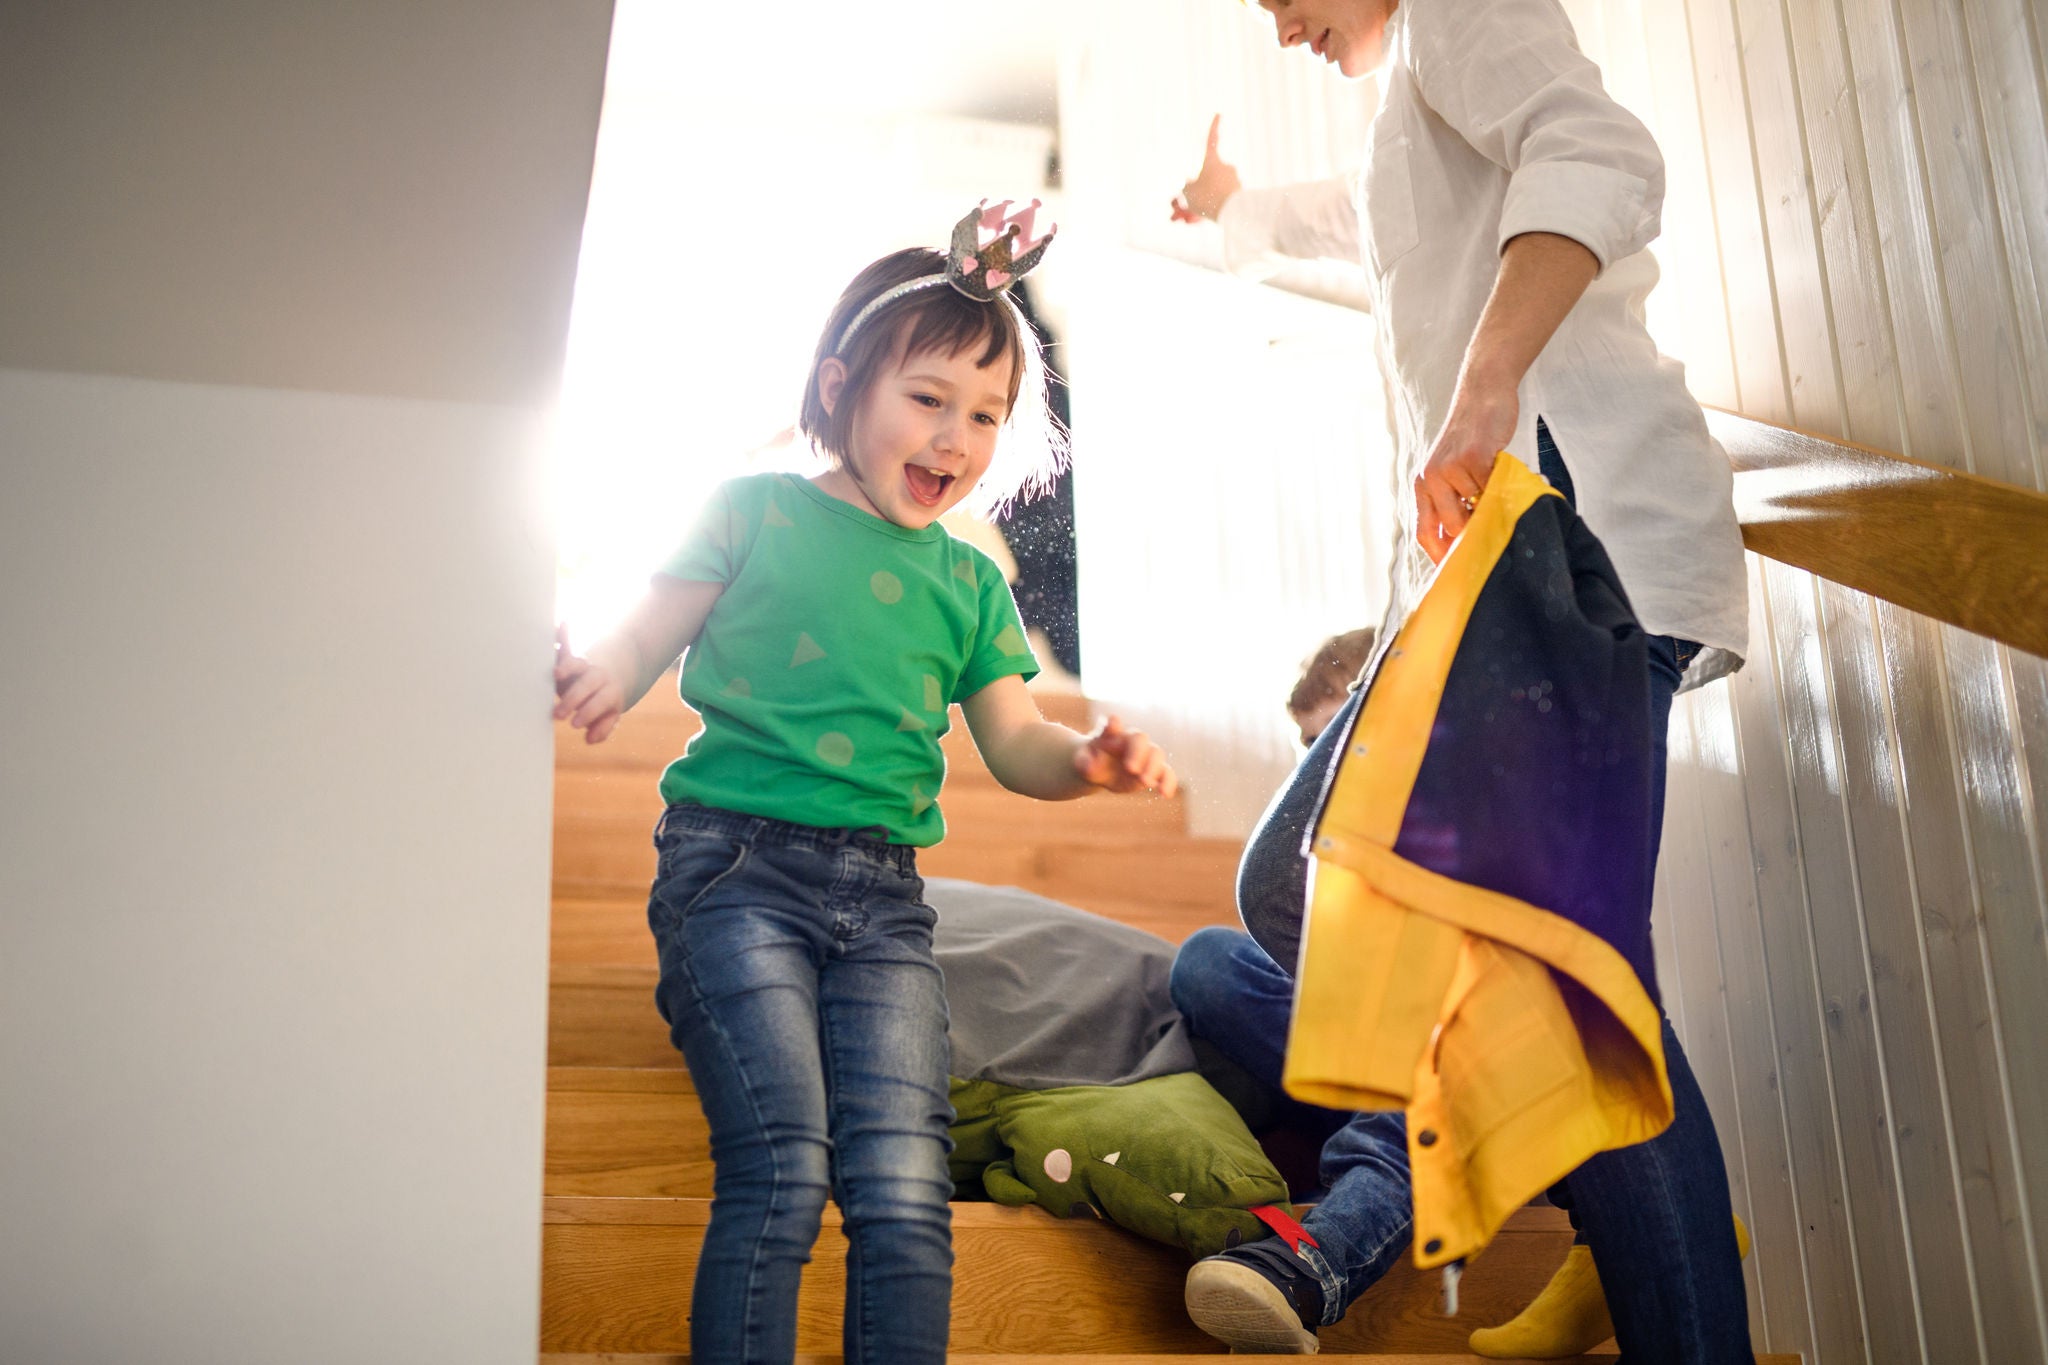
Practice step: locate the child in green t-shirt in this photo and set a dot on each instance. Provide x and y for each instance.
(829, 624)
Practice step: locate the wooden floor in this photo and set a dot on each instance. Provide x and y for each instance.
(628, 1167)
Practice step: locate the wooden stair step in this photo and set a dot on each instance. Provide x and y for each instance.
(604, 1016)
(614, 1133)
(612, 929)
(1078, 867)
(619, 800)
(601, 931)
(616, 1275)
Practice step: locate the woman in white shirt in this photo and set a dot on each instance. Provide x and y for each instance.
(1502, 215)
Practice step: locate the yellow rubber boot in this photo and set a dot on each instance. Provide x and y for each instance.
(1568, 1318)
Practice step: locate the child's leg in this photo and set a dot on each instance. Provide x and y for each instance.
(1235, 996)
(739, 979)
(882, 1008)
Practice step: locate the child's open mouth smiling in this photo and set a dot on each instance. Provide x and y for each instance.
(927, 485)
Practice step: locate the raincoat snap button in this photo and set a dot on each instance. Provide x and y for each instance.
(1427, 1137)
(1432, 1246)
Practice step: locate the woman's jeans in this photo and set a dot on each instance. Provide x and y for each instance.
(1657, 1214)
(797, 979)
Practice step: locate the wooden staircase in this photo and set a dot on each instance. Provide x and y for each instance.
(628, 1181)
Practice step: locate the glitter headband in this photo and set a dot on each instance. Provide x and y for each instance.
(992, 249)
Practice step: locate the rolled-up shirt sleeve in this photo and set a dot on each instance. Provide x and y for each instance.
(1265, 228)
(1508, 76)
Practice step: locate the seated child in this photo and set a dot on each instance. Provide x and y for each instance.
(1326, 678)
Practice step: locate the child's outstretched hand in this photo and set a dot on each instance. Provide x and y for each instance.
(1123, 760)
(586, 694)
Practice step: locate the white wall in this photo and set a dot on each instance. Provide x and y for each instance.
(273, 963)
(286, 292)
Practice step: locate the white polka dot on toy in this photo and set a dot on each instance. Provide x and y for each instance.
(1059, 1165)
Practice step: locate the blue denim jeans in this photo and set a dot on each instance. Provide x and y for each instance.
(1657, 1215)
(797, 980)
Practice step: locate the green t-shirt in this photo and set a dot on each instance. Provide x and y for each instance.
(825, 669)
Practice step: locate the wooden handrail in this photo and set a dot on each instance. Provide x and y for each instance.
(1966, 550)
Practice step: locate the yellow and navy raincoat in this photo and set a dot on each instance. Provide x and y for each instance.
(1477, 944)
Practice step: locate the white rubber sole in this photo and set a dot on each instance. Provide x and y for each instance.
(1242, 1308)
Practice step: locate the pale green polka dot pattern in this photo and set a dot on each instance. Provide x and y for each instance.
(834, 656)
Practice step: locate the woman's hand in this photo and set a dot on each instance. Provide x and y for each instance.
(1121, 760)
(1205, 195)
(586, 694)
(1541, 277)
(1481, 424)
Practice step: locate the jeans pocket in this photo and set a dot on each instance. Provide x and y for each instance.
(691, 865)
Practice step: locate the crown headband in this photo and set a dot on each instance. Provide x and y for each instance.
(992, 249)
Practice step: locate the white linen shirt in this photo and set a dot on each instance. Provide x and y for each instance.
(1493, 123)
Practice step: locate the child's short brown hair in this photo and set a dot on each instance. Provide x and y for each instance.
(1329, 670)
(945, 321)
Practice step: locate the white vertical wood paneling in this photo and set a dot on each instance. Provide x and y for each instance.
(1692, 301)
(1914, 1081)
(1777, 139)
(1849, 245)
(1802, 1063)
(1955, 948)
(1734, 196)
(1778, 1274)
(1907, 267)
(1971, 266)
(1912, 750)
(1705, 983)
(1852, 921)
(1863, 1111)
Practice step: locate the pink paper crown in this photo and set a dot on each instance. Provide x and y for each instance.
(992, 249)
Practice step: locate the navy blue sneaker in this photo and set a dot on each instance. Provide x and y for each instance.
(1262, 1297)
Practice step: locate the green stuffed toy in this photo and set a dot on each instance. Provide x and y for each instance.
(1165, 1157)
